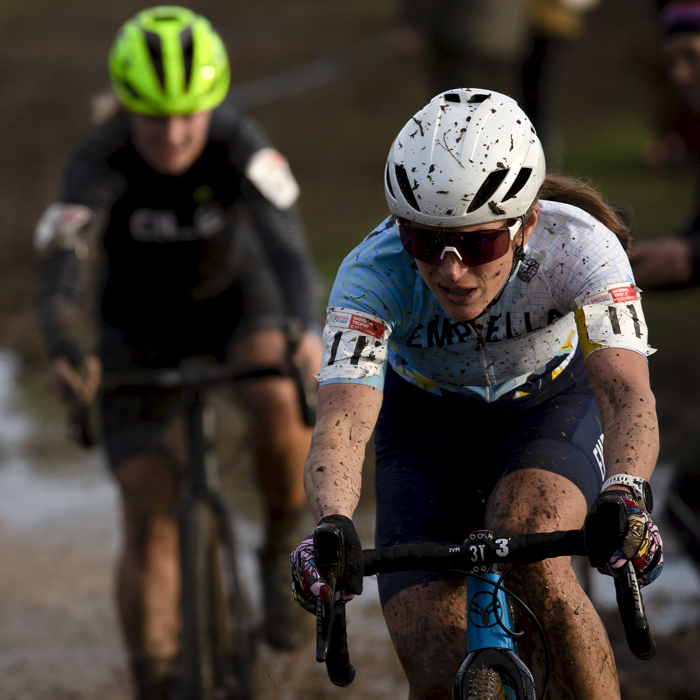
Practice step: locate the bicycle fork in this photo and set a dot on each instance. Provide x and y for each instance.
(490, 645)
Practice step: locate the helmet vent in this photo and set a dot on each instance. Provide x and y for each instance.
(405, 186)
(490, 185)
(452, 97)
(129, 88)
(388, 182)
(476, 99)
(156, 52)
(187, 52)
(523, 177)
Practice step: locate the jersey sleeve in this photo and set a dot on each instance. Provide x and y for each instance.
(612, 317)
(87, 178)
(596, 282)
(370, 298)
(68, 229)
(269, 194)
(355, 346)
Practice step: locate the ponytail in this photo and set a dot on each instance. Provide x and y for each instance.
(569, 190)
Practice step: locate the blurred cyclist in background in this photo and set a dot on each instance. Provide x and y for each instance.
(155, 197)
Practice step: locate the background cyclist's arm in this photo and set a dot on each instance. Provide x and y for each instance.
(346, 417)
(283, 241)
(270, 193)
(285, 247)
(620, 381)
(64, 236)
(72, 371)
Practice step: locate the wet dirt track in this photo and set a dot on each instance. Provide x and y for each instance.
(59, 638)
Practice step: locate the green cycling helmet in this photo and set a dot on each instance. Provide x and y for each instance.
(169, 60)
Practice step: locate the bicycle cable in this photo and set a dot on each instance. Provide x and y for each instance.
(497, 586)
(540, 631)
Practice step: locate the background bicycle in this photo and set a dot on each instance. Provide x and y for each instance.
(58, 511)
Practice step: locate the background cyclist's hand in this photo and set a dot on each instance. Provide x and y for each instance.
(66, 381)
(308, 584)
(641, 544)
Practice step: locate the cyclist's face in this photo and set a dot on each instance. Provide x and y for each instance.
(170, 145)
(681, 53)
(464, 292)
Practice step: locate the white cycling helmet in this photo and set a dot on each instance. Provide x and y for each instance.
(468, 157)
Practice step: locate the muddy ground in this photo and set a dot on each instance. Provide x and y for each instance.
(58, 512)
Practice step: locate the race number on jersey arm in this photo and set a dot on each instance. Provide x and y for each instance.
(354, 345)
(612, 317)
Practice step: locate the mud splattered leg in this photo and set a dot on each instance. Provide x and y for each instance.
(583, 668)
(429, 630)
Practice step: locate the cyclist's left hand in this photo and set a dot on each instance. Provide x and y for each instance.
(641, 544)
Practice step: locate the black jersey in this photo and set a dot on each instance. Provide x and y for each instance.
(165, 241)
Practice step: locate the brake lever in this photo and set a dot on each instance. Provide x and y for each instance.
(629, 598)
(331, 632)
(328, 546)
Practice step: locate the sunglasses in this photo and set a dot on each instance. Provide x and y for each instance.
(473, 248)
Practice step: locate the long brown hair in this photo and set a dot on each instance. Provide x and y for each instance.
(581, 194)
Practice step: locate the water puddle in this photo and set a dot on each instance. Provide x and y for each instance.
(81, 510)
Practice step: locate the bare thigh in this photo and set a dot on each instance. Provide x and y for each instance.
(428, 626)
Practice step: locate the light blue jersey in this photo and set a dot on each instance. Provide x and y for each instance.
(380, 310)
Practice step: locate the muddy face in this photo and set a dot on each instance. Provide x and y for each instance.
(464, 292)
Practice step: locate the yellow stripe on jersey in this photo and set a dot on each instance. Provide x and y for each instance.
(587, 346)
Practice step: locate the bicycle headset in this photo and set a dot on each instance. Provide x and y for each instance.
(168, 60)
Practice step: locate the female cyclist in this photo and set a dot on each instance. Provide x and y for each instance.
(156, 198)
(491, 330)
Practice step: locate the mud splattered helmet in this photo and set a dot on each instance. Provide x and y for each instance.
(468, 157)
(168, 60)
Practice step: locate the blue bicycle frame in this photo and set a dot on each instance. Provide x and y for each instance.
(489, 643)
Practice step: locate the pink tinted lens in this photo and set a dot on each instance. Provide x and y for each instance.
(476, 248)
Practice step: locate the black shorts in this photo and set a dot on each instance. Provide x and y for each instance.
(135, 420)
(439, 457)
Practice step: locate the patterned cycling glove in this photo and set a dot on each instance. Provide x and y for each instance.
(307, 582)
(641, 544)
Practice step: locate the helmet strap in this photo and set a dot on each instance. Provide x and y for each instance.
(518, 257)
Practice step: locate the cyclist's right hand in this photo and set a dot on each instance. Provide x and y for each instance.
(308, 584)
(65, 381)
